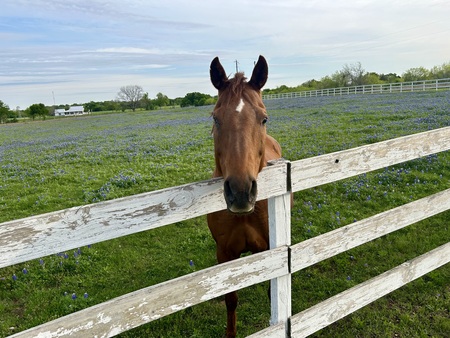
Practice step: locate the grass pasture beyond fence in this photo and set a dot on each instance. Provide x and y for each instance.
(62, 163)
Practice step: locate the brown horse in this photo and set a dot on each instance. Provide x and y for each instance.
(241, 149)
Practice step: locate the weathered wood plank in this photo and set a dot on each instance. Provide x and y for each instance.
(324, 246)
(131, 310)
(342, 304)
(280, 235)
(315, 171)
(38, 236)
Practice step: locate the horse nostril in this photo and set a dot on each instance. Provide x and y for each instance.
(253, 191)
(228, 192)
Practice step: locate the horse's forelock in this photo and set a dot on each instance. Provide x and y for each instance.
(235, 88)
(238, 81)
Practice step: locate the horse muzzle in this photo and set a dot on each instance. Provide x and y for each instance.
(240, 195)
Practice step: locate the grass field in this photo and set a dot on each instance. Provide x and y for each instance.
(60, 163)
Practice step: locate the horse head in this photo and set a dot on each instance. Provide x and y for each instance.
(239, 133)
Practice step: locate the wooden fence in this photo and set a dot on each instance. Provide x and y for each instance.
(34, 237)
(397, 87)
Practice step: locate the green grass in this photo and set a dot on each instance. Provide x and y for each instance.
(60, 163)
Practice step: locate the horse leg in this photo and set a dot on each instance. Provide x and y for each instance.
(231, 300)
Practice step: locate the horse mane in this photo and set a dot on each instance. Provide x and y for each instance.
(237, 83)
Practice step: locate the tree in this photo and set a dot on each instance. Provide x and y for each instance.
(4, 112)
(92, 106)
(327, 82)
(148, 103)
(131, 94)
(416, 74)
(37, 109)
(195, 99)
(390, 78)
(440, 72)
(161, 100)
(372, 78)
(354, 73)
(111, 105)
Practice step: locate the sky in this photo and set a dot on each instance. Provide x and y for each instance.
(66, 52)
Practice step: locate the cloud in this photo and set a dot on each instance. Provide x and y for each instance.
(86, 42)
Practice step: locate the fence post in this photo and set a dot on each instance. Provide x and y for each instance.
(279, 208)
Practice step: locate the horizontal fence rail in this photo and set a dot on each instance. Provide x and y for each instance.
(314, 250)
(34, 237)
(38, 236)
(397, 87)
(315, 171)
(347, 302)
(131, 310)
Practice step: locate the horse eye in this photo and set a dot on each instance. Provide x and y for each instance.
(264, 121)
(216, 121)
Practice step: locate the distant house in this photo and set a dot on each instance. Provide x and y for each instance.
(74, 110)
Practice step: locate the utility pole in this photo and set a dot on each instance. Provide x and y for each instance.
(236, 62)
(54, 103)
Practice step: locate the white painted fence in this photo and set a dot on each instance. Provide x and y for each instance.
(396, 87)
(34, 237)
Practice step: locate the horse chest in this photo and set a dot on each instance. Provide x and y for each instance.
(235, 235)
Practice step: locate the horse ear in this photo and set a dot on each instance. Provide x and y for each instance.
(260, 73)
(217, 74)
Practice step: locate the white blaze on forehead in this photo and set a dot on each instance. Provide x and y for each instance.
(240, 106)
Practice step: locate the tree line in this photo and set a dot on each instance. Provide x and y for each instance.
(133, 96)
(355, 75)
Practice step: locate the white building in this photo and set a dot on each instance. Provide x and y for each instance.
(74, 110)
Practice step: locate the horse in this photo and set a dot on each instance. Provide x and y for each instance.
(242, 148)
